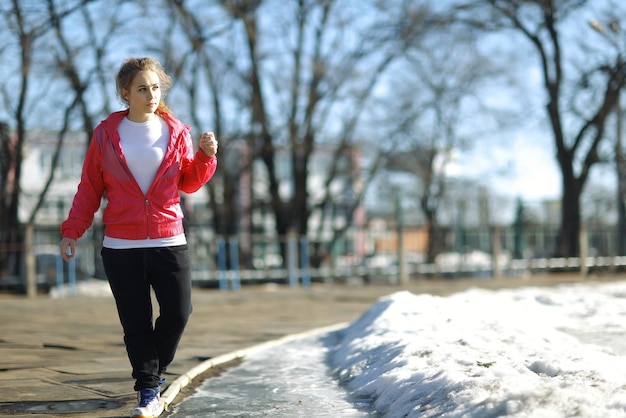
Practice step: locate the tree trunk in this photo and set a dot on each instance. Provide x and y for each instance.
(568, 245)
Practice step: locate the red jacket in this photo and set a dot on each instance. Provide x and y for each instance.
(129, 214)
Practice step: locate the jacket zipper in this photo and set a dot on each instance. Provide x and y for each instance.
(146, 204)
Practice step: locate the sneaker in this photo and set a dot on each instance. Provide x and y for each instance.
(161, 383)
(149, 404)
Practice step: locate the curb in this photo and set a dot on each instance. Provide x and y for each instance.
(167, 398)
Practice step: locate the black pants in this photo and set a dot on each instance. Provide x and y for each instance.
(131, 273)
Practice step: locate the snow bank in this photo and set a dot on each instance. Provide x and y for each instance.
(534, 352)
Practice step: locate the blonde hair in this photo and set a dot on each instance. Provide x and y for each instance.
(131, 67)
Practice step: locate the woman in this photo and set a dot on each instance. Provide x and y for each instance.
(139, 159)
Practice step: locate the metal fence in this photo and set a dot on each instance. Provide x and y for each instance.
(364, 255)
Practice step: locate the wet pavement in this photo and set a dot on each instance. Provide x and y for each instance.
(286, 381)
(66, 358)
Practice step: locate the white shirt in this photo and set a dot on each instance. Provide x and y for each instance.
(144, 145)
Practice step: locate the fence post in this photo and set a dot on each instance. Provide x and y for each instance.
(59, 275)
(221, 262)
(496, 250)
(292, 259)
(403, 277)
(71, 276)
(304, 262)
(583, 251)
(234, 263)
(30, 261)
(333, 263)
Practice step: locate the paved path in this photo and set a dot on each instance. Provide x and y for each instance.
(58, 355)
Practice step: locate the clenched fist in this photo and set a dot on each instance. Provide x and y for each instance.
(208, 143)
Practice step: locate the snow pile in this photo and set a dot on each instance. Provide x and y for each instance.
(533, 352)
(89, 288)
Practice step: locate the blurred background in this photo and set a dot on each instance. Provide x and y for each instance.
(358, 138)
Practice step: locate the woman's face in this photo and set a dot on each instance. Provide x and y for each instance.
(143, 96)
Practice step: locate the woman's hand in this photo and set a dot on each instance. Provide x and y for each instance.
(208, 143)
(68, 248)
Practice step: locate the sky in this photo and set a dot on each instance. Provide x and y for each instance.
(523, 167)
(537, 352)
(526, 167)
(536, 174)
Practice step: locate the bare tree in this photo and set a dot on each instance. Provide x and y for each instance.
(203, 68)
(314, 80)
(67, 60)
(434, 96)
(21, 31)
(84, 77)
(612, 49)
(32, 28)
(577, 135)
